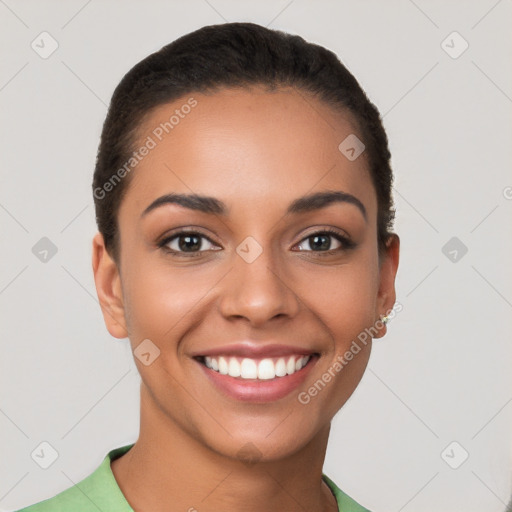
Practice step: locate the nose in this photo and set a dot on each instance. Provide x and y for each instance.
(258, 291)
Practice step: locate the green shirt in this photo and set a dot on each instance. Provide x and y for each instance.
(99, 491)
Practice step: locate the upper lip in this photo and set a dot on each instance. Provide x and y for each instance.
(254, 350)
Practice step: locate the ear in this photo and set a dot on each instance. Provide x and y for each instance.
(108, 288)
(386, 297)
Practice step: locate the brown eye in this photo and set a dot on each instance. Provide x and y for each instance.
(184, 242)
(321, 241)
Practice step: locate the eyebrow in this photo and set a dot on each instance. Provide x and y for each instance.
(212, 205)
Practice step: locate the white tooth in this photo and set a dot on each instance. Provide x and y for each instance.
(234, 367)
(266, 369)
(208, 361)
(248, 369)
(298, 363)
(290, 365)
(305, 360)
(223, 366)
(280, 367)
(215, 364)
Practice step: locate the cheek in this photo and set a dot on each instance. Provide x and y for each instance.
(342, 298)
(162, 300)
(350, 307)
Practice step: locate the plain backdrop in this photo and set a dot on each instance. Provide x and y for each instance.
(430, 426)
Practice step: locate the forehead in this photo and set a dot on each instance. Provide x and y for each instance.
(248, 147)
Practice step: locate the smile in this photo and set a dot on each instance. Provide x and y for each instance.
(257, 379)
(261, 369)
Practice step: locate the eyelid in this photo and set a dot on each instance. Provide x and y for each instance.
(327, 229)
(183, 230)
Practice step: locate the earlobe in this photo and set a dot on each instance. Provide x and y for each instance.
(387, 294)
(108, 288)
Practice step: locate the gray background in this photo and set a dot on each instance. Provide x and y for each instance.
(441, 374)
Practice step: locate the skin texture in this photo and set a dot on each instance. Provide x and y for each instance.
(257, 151)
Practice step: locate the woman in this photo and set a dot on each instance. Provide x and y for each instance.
(243, 200)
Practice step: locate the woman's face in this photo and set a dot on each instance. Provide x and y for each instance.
(252, 282)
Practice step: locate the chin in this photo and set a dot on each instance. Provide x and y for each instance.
(266, 441)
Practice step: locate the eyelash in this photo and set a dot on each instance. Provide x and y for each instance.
(347, 244)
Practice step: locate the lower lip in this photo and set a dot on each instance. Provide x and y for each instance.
(252, 390)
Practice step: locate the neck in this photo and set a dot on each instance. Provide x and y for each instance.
(169, 470)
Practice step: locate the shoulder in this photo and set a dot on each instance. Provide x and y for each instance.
(65, 500)
(98, 491)
(345, 502)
